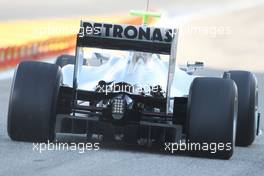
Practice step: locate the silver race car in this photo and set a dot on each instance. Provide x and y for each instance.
(131, 90)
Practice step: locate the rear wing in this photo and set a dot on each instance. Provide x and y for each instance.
(125, 37)
(128, 37)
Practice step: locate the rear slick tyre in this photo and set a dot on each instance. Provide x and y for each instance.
(211, 117)
(247, 106)
(33, 101)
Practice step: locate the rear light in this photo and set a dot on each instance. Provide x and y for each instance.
(118, 108)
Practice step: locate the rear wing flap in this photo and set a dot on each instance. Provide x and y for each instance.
(126, 37)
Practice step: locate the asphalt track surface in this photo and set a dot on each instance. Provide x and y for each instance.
(31, 9)
(19, 158)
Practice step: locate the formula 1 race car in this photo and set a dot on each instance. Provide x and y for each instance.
(137, 94)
